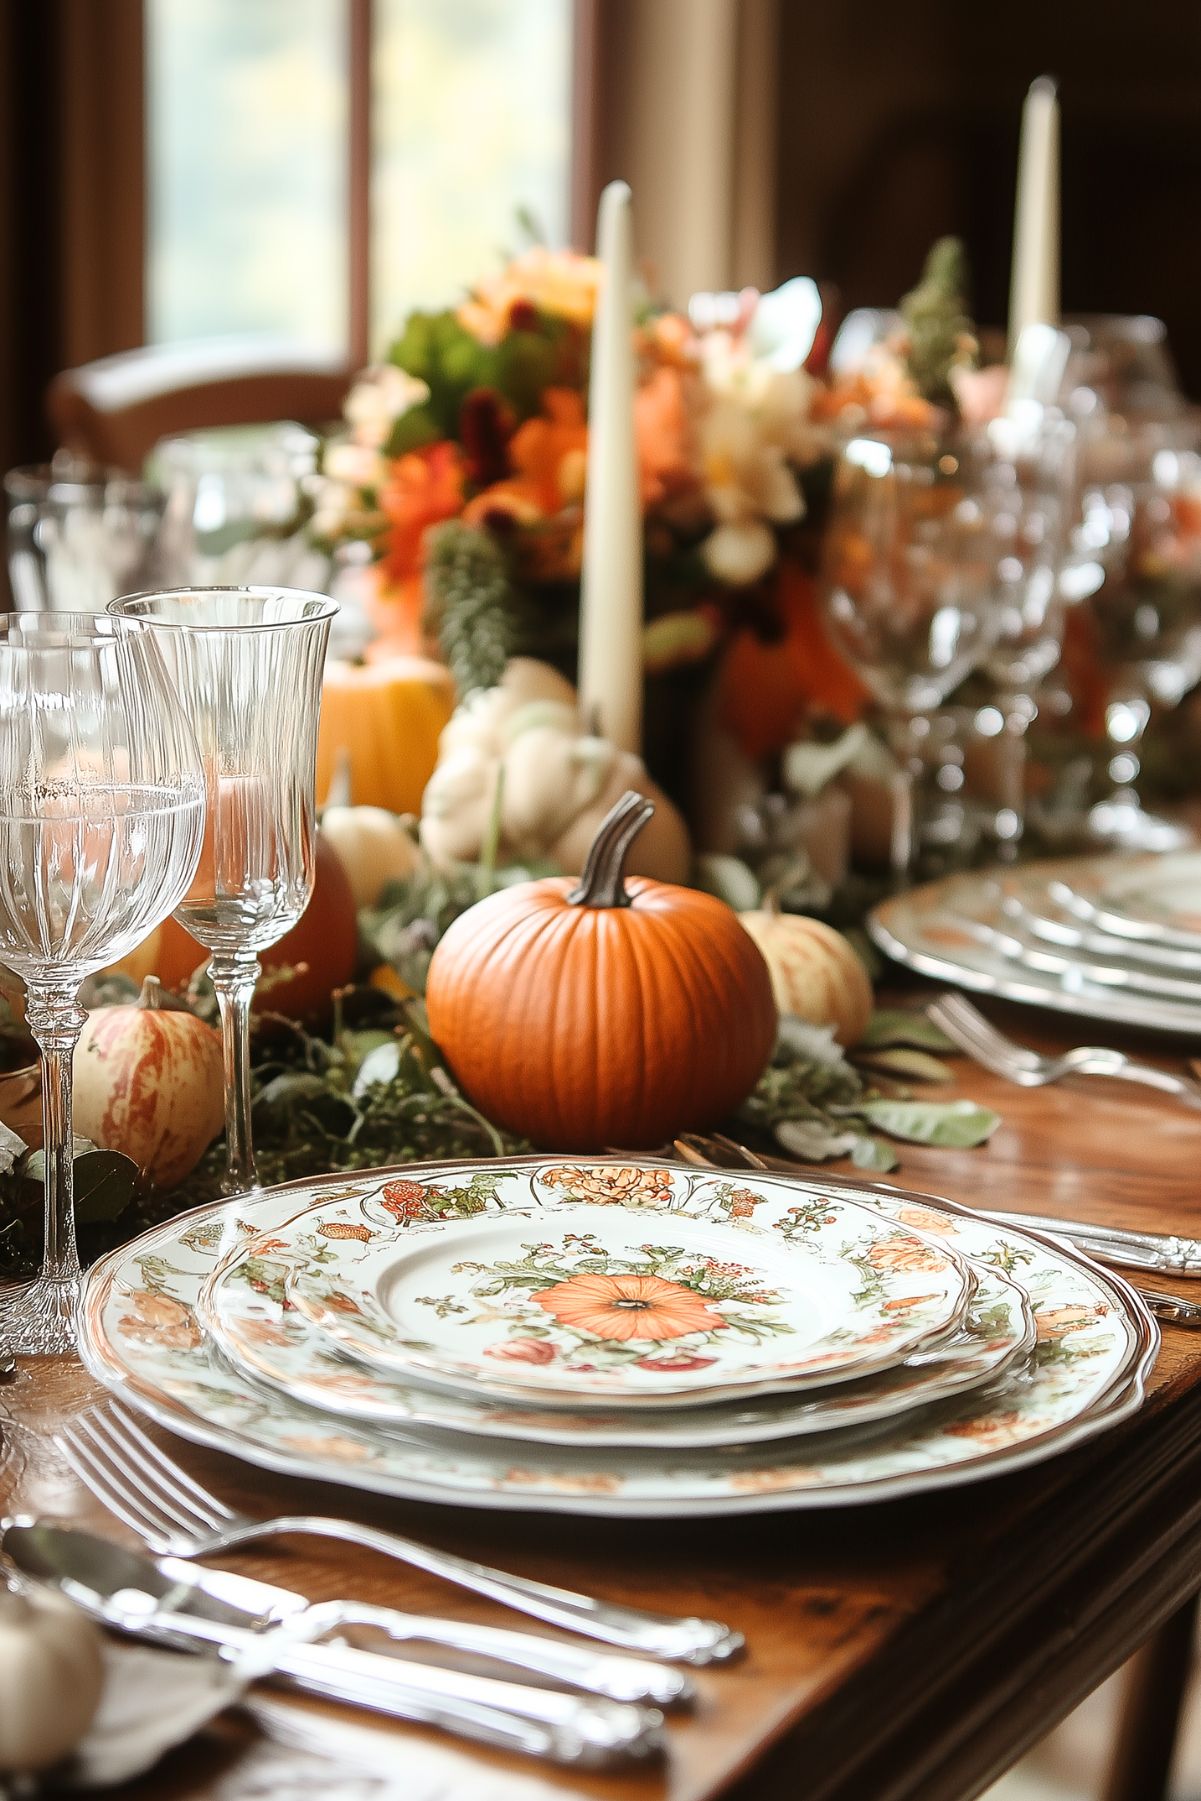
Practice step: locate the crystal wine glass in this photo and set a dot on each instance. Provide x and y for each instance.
(247, 663)
(1025, 480)
(101, 824)
(908, 586)
(1146, 614)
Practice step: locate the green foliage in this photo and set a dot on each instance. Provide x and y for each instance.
(453, 363)
(938, 325)
(471, 604)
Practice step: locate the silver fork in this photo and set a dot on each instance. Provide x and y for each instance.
(173, 1515)
(969, 1029)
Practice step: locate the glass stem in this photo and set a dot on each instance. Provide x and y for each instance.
(1126, 722)
(56, 1020)
(902, 738)
(1009, 820)
(234, 979)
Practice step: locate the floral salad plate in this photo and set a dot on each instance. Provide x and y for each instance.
(141, 1335)
(261, 1332)
(569, 1285)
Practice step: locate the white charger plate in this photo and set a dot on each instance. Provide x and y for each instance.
(140, 1335)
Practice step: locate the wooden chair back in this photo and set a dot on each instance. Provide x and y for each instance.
(116, 410)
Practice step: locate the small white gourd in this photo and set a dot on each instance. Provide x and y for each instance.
(374, 847)
(51, 1678)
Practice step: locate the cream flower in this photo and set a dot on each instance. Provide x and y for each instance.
(380, 397)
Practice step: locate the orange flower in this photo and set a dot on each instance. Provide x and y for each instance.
(663, 436)
(406, 1201)
(559, 282)
(625, 1307)
(158, 1320)
(612, 1183)
(924, 1219)
(1056, 1321)
(422, 489)
(902, 1253)
(548, 454)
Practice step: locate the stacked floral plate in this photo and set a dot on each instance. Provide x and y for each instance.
(610, 1337)
(1108, 938)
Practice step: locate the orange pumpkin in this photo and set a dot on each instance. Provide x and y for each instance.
(381, 721)
(325, 937)
(598, 1012)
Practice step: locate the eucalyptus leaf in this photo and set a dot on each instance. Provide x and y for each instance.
(896, 1028)
(869, 1153)
(913, 1066)
(105, 1182)
(33, 1165)
(302, 1090)
(816, 1044)
(958, 1124)
(730, 879)
(808, 768)
(379, 1066)
(813, 1140)
(12, 1149)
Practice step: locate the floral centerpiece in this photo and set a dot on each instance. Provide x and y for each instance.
(478, 414)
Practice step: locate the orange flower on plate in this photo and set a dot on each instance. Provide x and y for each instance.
(159, 1320)
(902, 1253)
(625, 1307)
(924, 1219)
(1054, 1322)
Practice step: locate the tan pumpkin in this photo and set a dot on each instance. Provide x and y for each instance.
(598, 1012)
(148, 1082)
(51, 1679)
(375, 849)
(382, 719)
(815, 975)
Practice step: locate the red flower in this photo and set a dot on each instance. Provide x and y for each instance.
(681, 1361)
(523, 1350)
(405, 1201)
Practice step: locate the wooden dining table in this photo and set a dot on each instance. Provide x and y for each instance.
(908, 1651)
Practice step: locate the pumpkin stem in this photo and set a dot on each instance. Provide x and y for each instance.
(602, 883)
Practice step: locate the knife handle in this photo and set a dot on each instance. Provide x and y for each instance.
(545, 1722)
(597, 1672)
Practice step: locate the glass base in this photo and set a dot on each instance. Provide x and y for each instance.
(1127, 825)
(39, 1321)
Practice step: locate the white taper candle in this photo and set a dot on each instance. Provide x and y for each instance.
(1034, 281)
(610, 673)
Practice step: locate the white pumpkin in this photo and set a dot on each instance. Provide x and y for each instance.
(149, 1082)
(815, 975)
(51, 1679)
(374, 846)
(524, 739)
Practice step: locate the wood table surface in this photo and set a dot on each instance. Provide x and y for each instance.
(907, 1651)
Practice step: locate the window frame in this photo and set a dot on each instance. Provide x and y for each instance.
(105, 207)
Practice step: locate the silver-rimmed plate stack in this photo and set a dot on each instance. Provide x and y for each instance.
(619, 1337)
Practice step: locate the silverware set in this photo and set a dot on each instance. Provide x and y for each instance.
(587, 1706)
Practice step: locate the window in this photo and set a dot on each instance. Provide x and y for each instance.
(249, 133)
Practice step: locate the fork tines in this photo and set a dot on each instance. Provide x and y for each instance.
(136, 1480)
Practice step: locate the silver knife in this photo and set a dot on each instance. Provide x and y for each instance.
(591, 1669)
(162, 1601)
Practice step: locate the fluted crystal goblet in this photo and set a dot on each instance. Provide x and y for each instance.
(101, 823)
(247, 663)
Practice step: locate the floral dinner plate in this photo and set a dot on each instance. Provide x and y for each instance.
(246, 1310)
(961, 930)
(570, 1284)
(139, 1334)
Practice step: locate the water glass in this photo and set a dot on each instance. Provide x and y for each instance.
(908, 584)
(78, 535)
(101, 822)
(247, 663)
